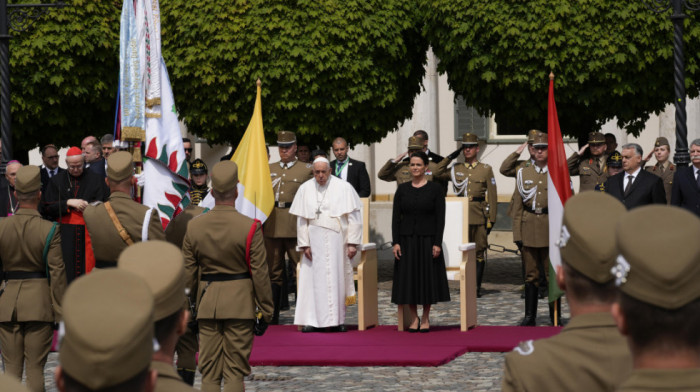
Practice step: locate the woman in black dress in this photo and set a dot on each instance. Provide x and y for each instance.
(417, 226)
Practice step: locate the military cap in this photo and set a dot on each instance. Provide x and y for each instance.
(596, 137)
(162, 266)
(661, 141)
(120, 166)
(415, 143)
(199, 167)
(587, 241)
(540, 139)
(531, 135)
(469, 139)
(108, 319)
(224, 176)
(614, 160)
(28, 179)
(659, 260)
(286, 138)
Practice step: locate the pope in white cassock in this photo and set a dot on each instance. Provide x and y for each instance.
(329, 229)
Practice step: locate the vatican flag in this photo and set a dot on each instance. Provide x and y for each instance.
(255, 196)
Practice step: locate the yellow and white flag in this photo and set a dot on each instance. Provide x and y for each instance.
(255, 196)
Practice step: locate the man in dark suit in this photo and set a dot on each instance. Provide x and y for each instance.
(49, 154)
(635, 187)
(686, 182)
(431, 155)
(349, 169)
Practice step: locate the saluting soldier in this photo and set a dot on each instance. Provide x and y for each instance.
(397, 169)
(30, 301)
(119, 222)
(590, 169)
(531, 224)
(474, 180)
(590, 345)
(162, 267)
(509, 168)
(225, 266)
(658, 305)
(663, 167)
(281, 227)
(187, 345)
(108, 342)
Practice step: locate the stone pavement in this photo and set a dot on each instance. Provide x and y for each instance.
(500, 305)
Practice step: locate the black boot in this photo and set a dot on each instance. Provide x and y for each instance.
(292, 281)
(480, 266)
(530, 306)
(276, 299)
(551, 312)
(187, 375)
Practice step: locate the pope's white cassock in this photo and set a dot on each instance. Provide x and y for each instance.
(328, 219)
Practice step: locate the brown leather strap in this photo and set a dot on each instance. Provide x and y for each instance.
(122, 231)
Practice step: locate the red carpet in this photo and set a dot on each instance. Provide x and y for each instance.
(284, 345)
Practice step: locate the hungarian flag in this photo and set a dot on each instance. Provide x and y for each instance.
(559, 188)
(166, 172)
(255, 197)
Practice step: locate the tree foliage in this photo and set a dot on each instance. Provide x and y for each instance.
(328, 67)
(64, 74)
(611, 59)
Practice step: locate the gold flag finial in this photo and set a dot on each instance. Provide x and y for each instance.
(551, 75)
(258, 83)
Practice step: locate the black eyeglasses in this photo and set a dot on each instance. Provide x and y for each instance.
(188, 150)
(52, 157)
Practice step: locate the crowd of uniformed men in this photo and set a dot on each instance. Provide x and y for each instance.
(121, 327)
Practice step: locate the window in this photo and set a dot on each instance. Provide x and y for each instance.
(468, 120)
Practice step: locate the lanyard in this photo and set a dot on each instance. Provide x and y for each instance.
(339, 168)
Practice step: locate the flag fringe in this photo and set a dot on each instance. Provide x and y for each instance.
(150, 102)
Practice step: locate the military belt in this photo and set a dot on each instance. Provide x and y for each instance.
(20, 275)
(472, 198)
(105, 264)
(282, 204)
(224, 277)
(537, 211)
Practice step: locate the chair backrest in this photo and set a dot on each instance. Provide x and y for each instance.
(456, 233)
(365, 219)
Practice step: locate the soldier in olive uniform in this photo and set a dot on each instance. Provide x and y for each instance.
(658, 307)
(591, 169)
(102, 219)
(188, 345)
(280, 228)
(162, 267)
(474, 180)
(614, 165)
(663, 167)
(531, 224)
(397, 169)
(10, 384)
(589, 347)
(225, 265)
(108, 342)
(30, 301)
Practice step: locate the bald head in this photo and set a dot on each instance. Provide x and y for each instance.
(86, 141)
(340, 149)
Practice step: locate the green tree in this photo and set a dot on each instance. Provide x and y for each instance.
(611, 59)
(328, 67)
(64, 74)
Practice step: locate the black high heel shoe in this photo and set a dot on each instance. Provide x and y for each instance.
(414, 330)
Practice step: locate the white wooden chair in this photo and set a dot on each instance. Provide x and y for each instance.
(460, 262)
(365, 274)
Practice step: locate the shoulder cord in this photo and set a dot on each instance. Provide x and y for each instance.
(460, 187)
(527, 194)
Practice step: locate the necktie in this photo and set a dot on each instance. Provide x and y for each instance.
(661, 169)
(51, 173)
(697, 178)
(629, 183)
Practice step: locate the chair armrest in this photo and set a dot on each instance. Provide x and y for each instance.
(467, 246)
(367, 246)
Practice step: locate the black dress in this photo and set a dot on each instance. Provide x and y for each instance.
(418, 223)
